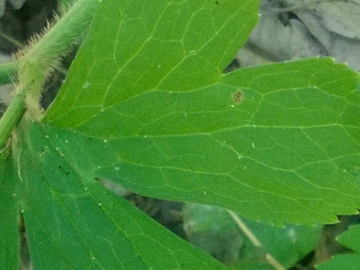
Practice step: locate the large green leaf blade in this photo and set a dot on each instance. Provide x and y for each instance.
(137, 46)
(74, 223)
(9, 212)
(276, 143)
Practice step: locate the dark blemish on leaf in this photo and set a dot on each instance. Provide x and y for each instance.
(61, 168)
(217, 2)
(237, 97)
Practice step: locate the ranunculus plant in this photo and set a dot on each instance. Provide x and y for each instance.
(146, 104)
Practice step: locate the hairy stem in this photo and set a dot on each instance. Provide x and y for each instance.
(38, 59)
(42, 56)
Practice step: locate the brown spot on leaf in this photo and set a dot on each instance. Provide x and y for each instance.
(237, 97)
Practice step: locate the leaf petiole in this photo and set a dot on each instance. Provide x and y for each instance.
(33, 67)
(11, 117)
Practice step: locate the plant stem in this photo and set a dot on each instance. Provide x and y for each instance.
(37, 61)
(40, 57)
(64, 33)
(11, 117)
(270, 259)
(8, 73)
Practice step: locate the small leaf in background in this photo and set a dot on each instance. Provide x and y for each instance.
(212, 229)
(287, 244)
(66, 2)
(215, 231)
(349, 239)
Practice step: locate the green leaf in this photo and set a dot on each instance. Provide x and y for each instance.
(67, 2)
(278, 143)
(75, 223)
(8, 73)
(9, 212)
(344, 261)
(349, 239)
(139, 46)
(214, 230)
(288, 244)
